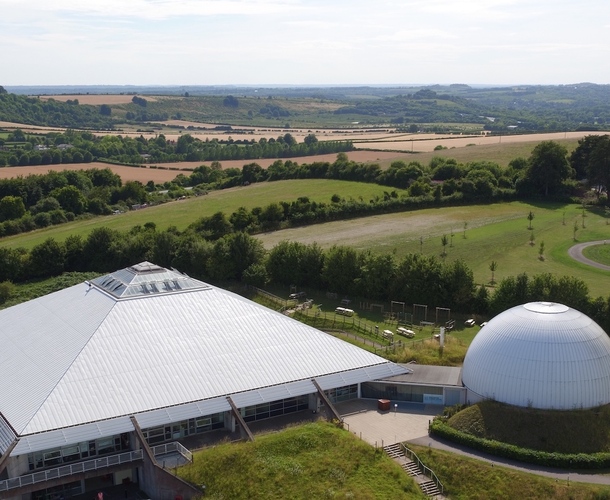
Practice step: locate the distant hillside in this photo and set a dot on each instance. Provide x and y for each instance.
(434, 108)
(33, 111)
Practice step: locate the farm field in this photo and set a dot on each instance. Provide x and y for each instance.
(182, 213)
(494, 233)
(126, 173)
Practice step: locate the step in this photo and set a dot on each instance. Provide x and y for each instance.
(429, 488)
(411, 468)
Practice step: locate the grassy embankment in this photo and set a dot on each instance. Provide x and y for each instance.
(573, 431)
(468, 478)
(315, 460)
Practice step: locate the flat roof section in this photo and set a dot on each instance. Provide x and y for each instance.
(447, 376)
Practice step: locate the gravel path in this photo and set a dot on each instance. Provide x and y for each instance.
(576, 253)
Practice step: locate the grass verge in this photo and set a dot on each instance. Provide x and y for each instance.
(468, 478)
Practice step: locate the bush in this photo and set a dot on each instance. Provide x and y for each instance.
(6, 290)
(440, 428)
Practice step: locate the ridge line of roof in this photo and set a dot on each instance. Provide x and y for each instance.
(42, 403)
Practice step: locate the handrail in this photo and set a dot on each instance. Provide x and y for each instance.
(70, 469)
(173, 447)
(426, 471)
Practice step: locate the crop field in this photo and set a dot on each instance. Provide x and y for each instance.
(126, 173)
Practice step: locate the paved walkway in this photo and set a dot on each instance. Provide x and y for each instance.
(576, 253)
(409, 423)
(380, 428)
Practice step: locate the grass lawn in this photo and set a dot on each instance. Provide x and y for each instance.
(598, 253)
(308, 461)
(497, 232)
(184, 212)
(468, 478)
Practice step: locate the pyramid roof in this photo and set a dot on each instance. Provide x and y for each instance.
(155, 343)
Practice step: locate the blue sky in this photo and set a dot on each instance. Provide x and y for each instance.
(300, 42)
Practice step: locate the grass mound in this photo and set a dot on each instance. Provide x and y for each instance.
(573, 431)
(316, 460)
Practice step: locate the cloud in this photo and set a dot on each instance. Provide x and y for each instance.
(153, 9)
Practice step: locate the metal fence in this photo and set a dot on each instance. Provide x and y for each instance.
(173, 447)
(69, 470)
(426, 471)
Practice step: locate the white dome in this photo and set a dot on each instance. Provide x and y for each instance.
(542, 355)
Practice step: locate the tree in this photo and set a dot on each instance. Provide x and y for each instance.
(47, 259)
(530, 218)
(444, 242)
(70, 199)
(310, 139)
(541, 251)
(230, 102)
(245, 251)
(574, 230)
(105, 110)
(11, 207)
(581, 156)
(598, 169)
(548, 168)
(341, 269)
(493, 267)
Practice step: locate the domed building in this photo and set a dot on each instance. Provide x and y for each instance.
(540, 355)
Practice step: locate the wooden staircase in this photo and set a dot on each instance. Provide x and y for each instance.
(429, 487)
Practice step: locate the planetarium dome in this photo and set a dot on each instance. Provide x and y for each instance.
(540, 355)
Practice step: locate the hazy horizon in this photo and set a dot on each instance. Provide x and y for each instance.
(298, 42)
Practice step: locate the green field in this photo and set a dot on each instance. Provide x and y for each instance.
(494, 233)
(184, 212)
(497, 232)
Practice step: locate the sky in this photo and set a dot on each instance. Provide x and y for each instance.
(303, 42)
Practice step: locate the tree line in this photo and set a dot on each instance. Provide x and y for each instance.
(197, 251)
(84, 147)
(547, 174)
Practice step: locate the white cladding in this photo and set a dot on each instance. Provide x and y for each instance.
(541, 355)
(82, 356)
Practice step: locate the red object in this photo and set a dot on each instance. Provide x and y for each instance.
(383, 404)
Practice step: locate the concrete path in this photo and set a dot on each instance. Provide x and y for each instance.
(409, 423)
(380, 428)
(576, 253)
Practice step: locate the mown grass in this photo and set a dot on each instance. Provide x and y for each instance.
(497, 232)
(316, 460)
(467, 478)
(573, 431)
(184, 212)
(598, 253)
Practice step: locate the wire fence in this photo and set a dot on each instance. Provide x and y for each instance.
(347, 326)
